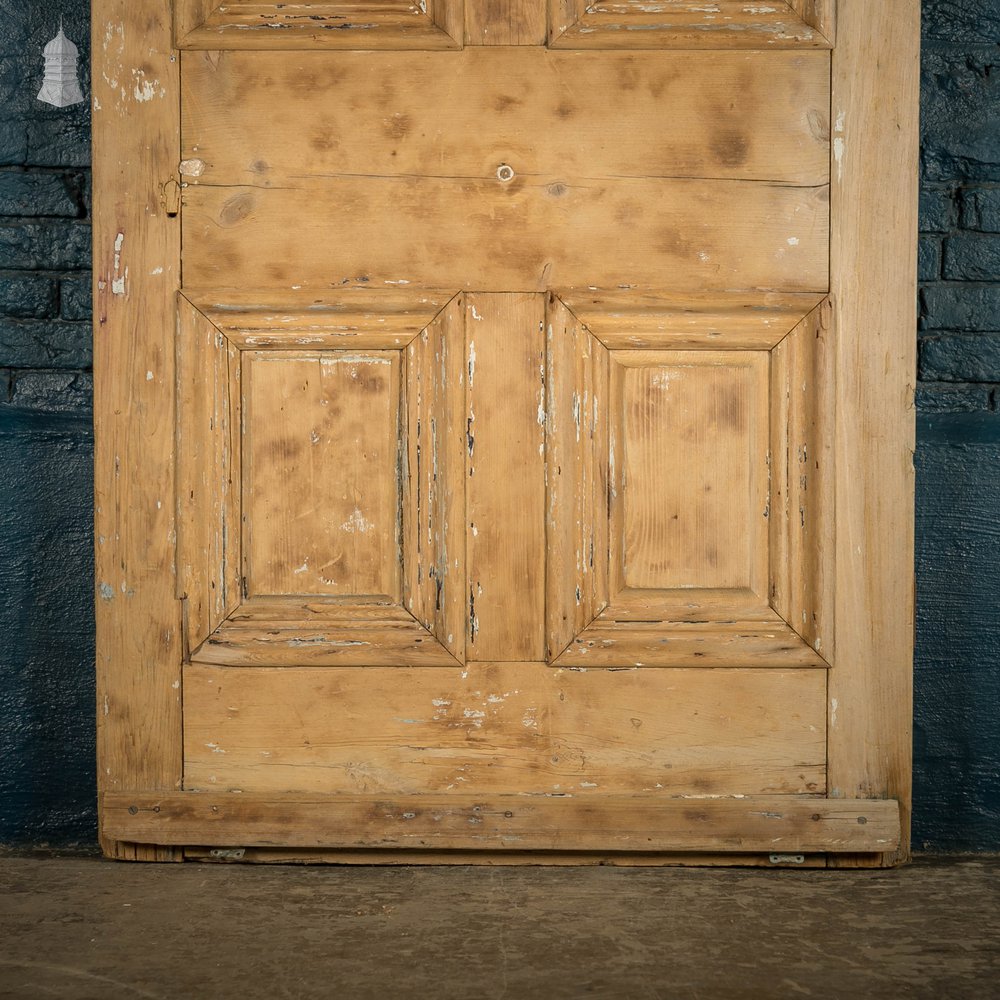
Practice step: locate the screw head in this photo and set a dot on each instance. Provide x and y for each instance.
(505, 173)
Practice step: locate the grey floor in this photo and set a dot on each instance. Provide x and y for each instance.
(82, 928)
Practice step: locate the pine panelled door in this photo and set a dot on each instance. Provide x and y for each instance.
(504, 430)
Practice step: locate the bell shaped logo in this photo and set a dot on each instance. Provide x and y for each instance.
(61, 88)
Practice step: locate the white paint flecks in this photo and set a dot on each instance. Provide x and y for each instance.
(834, 705)
(357, 522)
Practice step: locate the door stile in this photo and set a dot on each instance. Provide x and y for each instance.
(136, 104)
(876, 76)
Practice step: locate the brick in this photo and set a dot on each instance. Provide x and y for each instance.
(27, 296)
(61, 141)
(26, 343)
(961, 20)
(76, 298)
(53, 392)
(936, 397)
(929, 258)
(34, 193)
(981, 210)
(938, 210)
(13, 143)
(960, 307)
(960, 114)
(973, 257)
(45, 246)
(960, 358)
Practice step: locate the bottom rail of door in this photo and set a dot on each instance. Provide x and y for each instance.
(783, 826)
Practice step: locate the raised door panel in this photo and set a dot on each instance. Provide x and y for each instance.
(326, 24)
(690, 511)
(658, 24)
(689, 483)
(321, 491)
(321, 514)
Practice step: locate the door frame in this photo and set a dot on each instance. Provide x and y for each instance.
(137, 277)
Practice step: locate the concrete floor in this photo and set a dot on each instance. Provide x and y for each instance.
(84, 929)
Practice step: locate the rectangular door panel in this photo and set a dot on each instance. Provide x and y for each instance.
(320, 473)
(505, 728)
(508, 169)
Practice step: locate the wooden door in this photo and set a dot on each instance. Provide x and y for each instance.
(504, 429)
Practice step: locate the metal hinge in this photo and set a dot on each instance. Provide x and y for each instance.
(787, 859)
(228, 853)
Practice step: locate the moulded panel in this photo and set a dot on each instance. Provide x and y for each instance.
(709, 544)
(321, 24)
(347, 479)
(658, 24)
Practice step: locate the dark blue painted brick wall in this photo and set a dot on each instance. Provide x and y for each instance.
(46, 483)
(957, 682)
(46, 646)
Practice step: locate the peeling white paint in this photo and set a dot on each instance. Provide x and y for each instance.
(191, 168)
(839, 149)
(146, 90)
(119, 279)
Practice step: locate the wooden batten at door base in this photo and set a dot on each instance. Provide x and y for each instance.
(768, 824)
